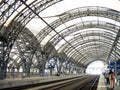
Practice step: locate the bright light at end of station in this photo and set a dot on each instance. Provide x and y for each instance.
(96, 68)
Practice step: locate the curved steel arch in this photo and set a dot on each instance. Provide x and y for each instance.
(8, 7)
(90, 59)
(65, 21)
(68, 49)
(114, 56)
(77, 13)
(25, 19)
(26, 15)
(78, 38)
(88, 24)
(12, 6)
(90, 53)
(18, 22)
(83, 60)
(26, 44)
(85, 50)
(74, 10)
(85, 46)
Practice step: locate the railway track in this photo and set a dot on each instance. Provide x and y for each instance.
(91, 84)
(76, 83)
(86, 83)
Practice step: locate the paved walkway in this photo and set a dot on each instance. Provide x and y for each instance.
(102, 85)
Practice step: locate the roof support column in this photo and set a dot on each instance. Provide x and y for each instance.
(3, 63)
(43, 62)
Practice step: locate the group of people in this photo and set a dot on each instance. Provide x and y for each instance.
(110, 77)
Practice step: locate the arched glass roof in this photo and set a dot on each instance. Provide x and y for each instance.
(84, 30)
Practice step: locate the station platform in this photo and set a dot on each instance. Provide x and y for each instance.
(33, 80)
(8, 83)
(103, 86)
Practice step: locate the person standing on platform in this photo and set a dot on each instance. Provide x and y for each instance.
(107, 77)
(111, 78)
